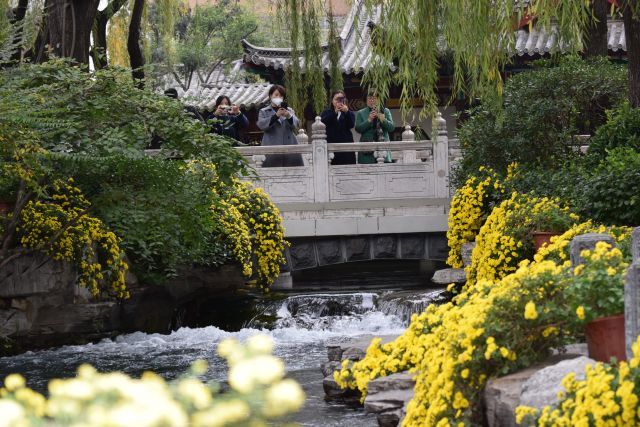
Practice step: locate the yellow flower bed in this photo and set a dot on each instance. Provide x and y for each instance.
(60, 227)
(469, 210)
(608, 396)
(493, 327)
(505, 238)
(259, 394)
(254, 227)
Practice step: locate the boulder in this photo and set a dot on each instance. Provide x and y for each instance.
(387, 396)
(587, 241)
(35, 274)
(399, 381)
(465, 253)
(333, 392)
(542, 388)
(353, 349)
(387, 400)
(13, 322)
(389, 418)
(449, 275)
(328, 368)
(501, 396)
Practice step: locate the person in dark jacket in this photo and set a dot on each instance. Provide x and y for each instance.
(227, 118)
(279, 122)
(339, 121)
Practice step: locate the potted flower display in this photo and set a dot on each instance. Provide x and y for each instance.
(596, 297)
(548, 223)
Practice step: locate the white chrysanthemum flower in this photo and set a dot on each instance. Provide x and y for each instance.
(282, 398)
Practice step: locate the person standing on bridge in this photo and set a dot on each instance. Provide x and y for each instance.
(339, 121)
(279, 122)
(373, 123)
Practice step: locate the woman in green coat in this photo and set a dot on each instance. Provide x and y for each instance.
(373, 124)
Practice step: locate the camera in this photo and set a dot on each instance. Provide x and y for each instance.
(342, 100)
(284, 105)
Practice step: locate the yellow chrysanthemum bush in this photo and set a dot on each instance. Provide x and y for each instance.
(493, 327)
(259, 394)
(59, 226)
(470, 207)
(506, 238)
(608, 396)
(254, 228)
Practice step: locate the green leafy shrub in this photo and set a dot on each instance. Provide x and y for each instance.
(159, 208)
(103, 113)
(610, 194)
(542, 110)
(622, 129)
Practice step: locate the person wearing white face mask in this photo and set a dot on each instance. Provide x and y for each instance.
(279, 122)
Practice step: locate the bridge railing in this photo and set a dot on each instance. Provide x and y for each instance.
(420, 169)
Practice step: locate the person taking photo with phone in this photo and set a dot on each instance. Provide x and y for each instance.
(339, 121)
(279, 122)
(227, 119)
(373, 123)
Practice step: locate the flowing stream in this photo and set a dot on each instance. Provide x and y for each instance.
(303, 324)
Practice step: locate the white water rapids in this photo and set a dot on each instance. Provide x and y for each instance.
(302, 327)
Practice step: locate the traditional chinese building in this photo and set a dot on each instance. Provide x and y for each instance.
(355, 41)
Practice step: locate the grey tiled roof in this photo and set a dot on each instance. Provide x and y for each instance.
(540, 42)
(355, 41)
(246, 95)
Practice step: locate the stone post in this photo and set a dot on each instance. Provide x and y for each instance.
(587, 242)
(303, 139)
(635, 244)
(632, 295)
(408, 156)
(441, 157)
(320, 161)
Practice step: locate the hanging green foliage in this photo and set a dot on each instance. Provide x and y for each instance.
(293, 73)
(411, 37)
(313, 56)
(335, 71)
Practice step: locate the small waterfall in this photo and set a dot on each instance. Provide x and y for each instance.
(330, 311)
(404, 304)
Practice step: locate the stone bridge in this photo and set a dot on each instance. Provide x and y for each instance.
(347, 213)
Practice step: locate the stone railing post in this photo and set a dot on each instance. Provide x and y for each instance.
(587, 242)
(632, 295)
(320, 161)
(408, 156)
(303, 139)
(441, 157)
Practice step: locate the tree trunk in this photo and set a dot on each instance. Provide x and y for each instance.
(596, 31)
(133, 43)
(99, 51)
(38, 53)
(69, 24)
(18, 15)
(632, 36)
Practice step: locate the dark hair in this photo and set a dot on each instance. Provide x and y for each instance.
(222, 98)
(335, 92)
(278, 88)
(171, 93)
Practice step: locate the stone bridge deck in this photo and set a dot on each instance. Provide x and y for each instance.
(410, 195)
